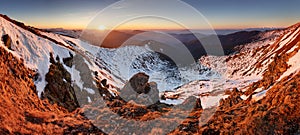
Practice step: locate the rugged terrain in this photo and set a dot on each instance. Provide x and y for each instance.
(57, 84)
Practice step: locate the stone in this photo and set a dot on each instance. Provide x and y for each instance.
(140, 91)
(192, 100)
(7, 41)
(139, 82)
(104, 82)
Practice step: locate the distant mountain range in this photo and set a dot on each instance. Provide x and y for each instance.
(191, 40)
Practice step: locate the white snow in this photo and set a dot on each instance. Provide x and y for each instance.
(81, 45)
(211, 101)
(258, 90)
(172, 102)
(126, 61)
(75, 75)
(244, 97)
(292, 49)
(294, 63)
(259, 96)
(33, 49)
(89, 99)
(89, 90)
(288, 39)
(227, 75)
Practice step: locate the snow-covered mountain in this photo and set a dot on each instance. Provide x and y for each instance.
(246, 67)
(115, 65)
(63, 67)
(118, 65)
(34, 49)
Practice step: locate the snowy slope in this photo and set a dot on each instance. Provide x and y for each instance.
(252, 62)
(126, 61)
(115, 65)
(35, 50)
(244, 68)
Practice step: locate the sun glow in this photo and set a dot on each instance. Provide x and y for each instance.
(102, 27)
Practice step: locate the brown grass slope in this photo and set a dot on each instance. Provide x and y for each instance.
(22, 112)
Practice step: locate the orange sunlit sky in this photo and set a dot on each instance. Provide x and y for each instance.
(77, 14)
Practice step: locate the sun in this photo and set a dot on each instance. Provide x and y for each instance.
(102, 27)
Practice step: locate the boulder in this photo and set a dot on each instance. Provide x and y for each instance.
(104, 83)
(140, 91)
(192, 101)
(7, 41)
(139, 83)
(154, 92)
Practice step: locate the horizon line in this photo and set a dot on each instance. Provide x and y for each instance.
(246, 28)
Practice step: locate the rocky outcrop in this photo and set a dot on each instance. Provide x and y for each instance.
(140, 91)
(68, 61)
(7, 41)
(59, 88)
(139, 83)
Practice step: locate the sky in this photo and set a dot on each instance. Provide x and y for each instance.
(220, 14)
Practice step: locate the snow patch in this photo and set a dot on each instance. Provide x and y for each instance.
(294, 66)
(89, 90)
(288, 39)
(259, 96)
(172, 102)
(210, 101)
(244, 97)
(89, 99)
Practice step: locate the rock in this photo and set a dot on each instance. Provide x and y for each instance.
(59, 89)
(235, 90)
(7, 41)
(174, 96)
(33, 119)
(68, 61)
(96, 73)
(154, 92)
(163, 97)
(198, 104)
(192, 100)
(140, 91)
(127, 93)
(104, 82)
(139, 82)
